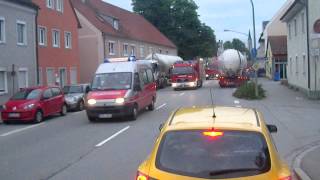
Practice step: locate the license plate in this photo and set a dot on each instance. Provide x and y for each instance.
(14, 115)
(105, 116)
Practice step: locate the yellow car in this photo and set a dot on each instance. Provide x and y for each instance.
(201, 143)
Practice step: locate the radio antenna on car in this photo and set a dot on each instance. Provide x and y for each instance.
(213, 112)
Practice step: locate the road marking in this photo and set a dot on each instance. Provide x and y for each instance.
(163, 105)
(113, 136)
(20, 130)
(181, 94)
(238, 106)
(236, 102)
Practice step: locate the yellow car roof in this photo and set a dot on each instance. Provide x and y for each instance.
(228, 118)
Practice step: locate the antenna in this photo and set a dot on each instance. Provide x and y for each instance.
(213, 112)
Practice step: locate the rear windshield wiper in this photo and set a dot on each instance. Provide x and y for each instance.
(228, 171)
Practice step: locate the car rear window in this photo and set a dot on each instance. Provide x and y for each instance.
(231, 155)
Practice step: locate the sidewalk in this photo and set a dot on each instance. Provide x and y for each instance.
(307, 165)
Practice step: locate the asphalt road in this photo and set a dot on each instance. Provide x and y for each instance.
(71, 147)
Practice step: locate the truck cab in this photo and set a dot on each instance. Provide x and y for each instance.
(186, 74)
(121, 89)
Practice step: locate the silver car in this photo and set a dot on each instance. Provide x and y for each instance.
(74, 96)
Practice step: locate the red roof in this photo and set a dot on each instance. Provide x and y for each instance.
(131, 26)
(278, 45)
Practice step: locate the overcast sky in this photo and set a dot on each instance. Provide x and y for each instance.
(228, 14)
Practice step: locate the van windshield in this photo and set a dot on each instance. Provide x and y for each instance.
(182, 70)
(112, 81)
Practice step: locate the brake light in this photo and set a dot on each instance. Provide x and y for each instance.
(141, 176)
(213, 133)
(286, 178)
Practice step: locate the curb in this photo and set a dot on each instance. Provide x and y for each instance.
(299, 172)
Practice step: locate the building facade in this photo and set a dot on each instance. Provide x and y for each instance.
(112, 32)
(58, 51)
(17, 46)
(303, 20)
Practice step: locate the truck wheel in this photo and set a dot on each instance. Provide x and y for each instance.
(151, 106)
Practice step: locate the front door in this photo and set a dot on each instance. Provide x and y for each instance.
(47, 105)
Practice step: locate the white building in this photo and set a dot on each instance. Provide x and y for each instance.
(303, 28)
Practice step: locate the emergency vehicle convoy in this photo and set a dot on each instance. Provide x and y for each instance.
(233, 64)
(212, 70)
(121, 89)
(187, 74)
(161, 67)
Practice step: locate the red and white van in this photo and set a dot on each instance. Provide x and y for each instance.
(121, 89)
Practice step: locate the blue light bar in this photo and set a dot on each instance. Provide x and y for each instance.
(132, 58)
(106, 60)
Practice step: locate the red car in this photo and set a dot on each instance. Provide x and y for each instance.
(33, 104)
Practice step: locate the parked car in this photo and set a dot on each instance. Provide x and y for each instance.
(74, 96)
(121, 89)
(34, 104)
(232, 143)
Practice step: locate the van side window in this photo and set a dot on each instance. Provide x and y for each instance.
(144, 77)
(150, 75)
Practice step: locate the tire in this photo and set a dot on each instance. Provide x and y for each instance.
(91, 119)
(64, 110)
(38, 118)
(6, 122)
(201, 83)
(134, 113)
(81, 106)
(151, 106)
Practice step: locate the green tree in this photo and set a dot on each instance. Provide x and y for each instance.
(236, 44)
(179, 21)
(227, 45)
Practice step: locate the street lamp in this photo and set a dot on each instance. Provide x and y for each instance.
(229, 30)
(254, 32)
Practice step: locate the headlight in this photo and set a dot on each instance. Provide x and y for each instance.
(4, 107)
(207, 75)
(174, 84)
(192, 84)
(92, 101)
(29, 107)
(120, 100)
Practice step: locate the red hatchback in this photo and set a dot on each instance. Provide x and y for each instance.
(33, 104)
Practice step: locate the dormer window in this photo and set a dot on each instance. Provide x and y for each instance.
(116, 24)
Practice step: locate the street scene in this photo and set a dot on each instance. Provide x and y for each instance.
(159, 90)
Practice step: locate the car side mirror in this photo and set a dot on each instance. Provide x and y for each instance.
(161, 126)
(272, 128)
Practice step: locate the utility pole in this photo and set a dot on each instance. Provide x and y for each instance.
(254, 48)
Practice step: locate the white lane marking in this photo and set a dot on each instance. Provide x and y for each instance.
(236, 102)
(20, 130)
(163, 105)
(181, 94)
(113, 136)
(238, 106)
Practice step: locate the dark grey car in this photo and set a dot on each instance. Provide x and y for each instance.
(74, 96)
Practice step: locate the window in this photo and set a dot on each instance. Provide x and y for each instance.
(50, 4)
(73, 76)
(116, 24)
(111, 48)
(297, 68)
(125, 49)
(133, 50)
(40, 76)
(304, 64)
(199, 154)
(150, 75)
(23, 78)
(50, 77)
(289, 28)
(47, 94)
(295, 27)
(2, 30)
(56, 38)
(303, 23)
(290, 61)
(3, 81)
(142, 51)
(62, 77)
(56, 91)
(68, 40)
(59, 5)
(42, 36)
(150, 50)
(22, 33)
(144, 77)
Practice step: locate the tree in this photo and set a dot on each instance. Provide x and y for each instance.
(236, 44)
(179, 21)
(227, 45)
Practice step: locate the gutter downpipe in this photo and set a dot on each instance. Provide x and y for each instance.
(308, 44)
(37, 55)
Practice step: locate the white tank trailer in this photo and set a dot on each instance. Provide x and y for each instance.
(162, 65)
(232, 62)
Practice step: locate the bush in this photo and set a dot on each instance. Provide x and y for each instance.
(247, 91)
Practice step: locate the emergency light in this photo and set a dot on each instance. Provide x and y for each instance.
(106, 60)
(132, 58)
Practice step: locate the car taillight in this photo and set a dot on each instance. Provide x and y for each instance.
(141, 176)
(213, 134)
(286, 178)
